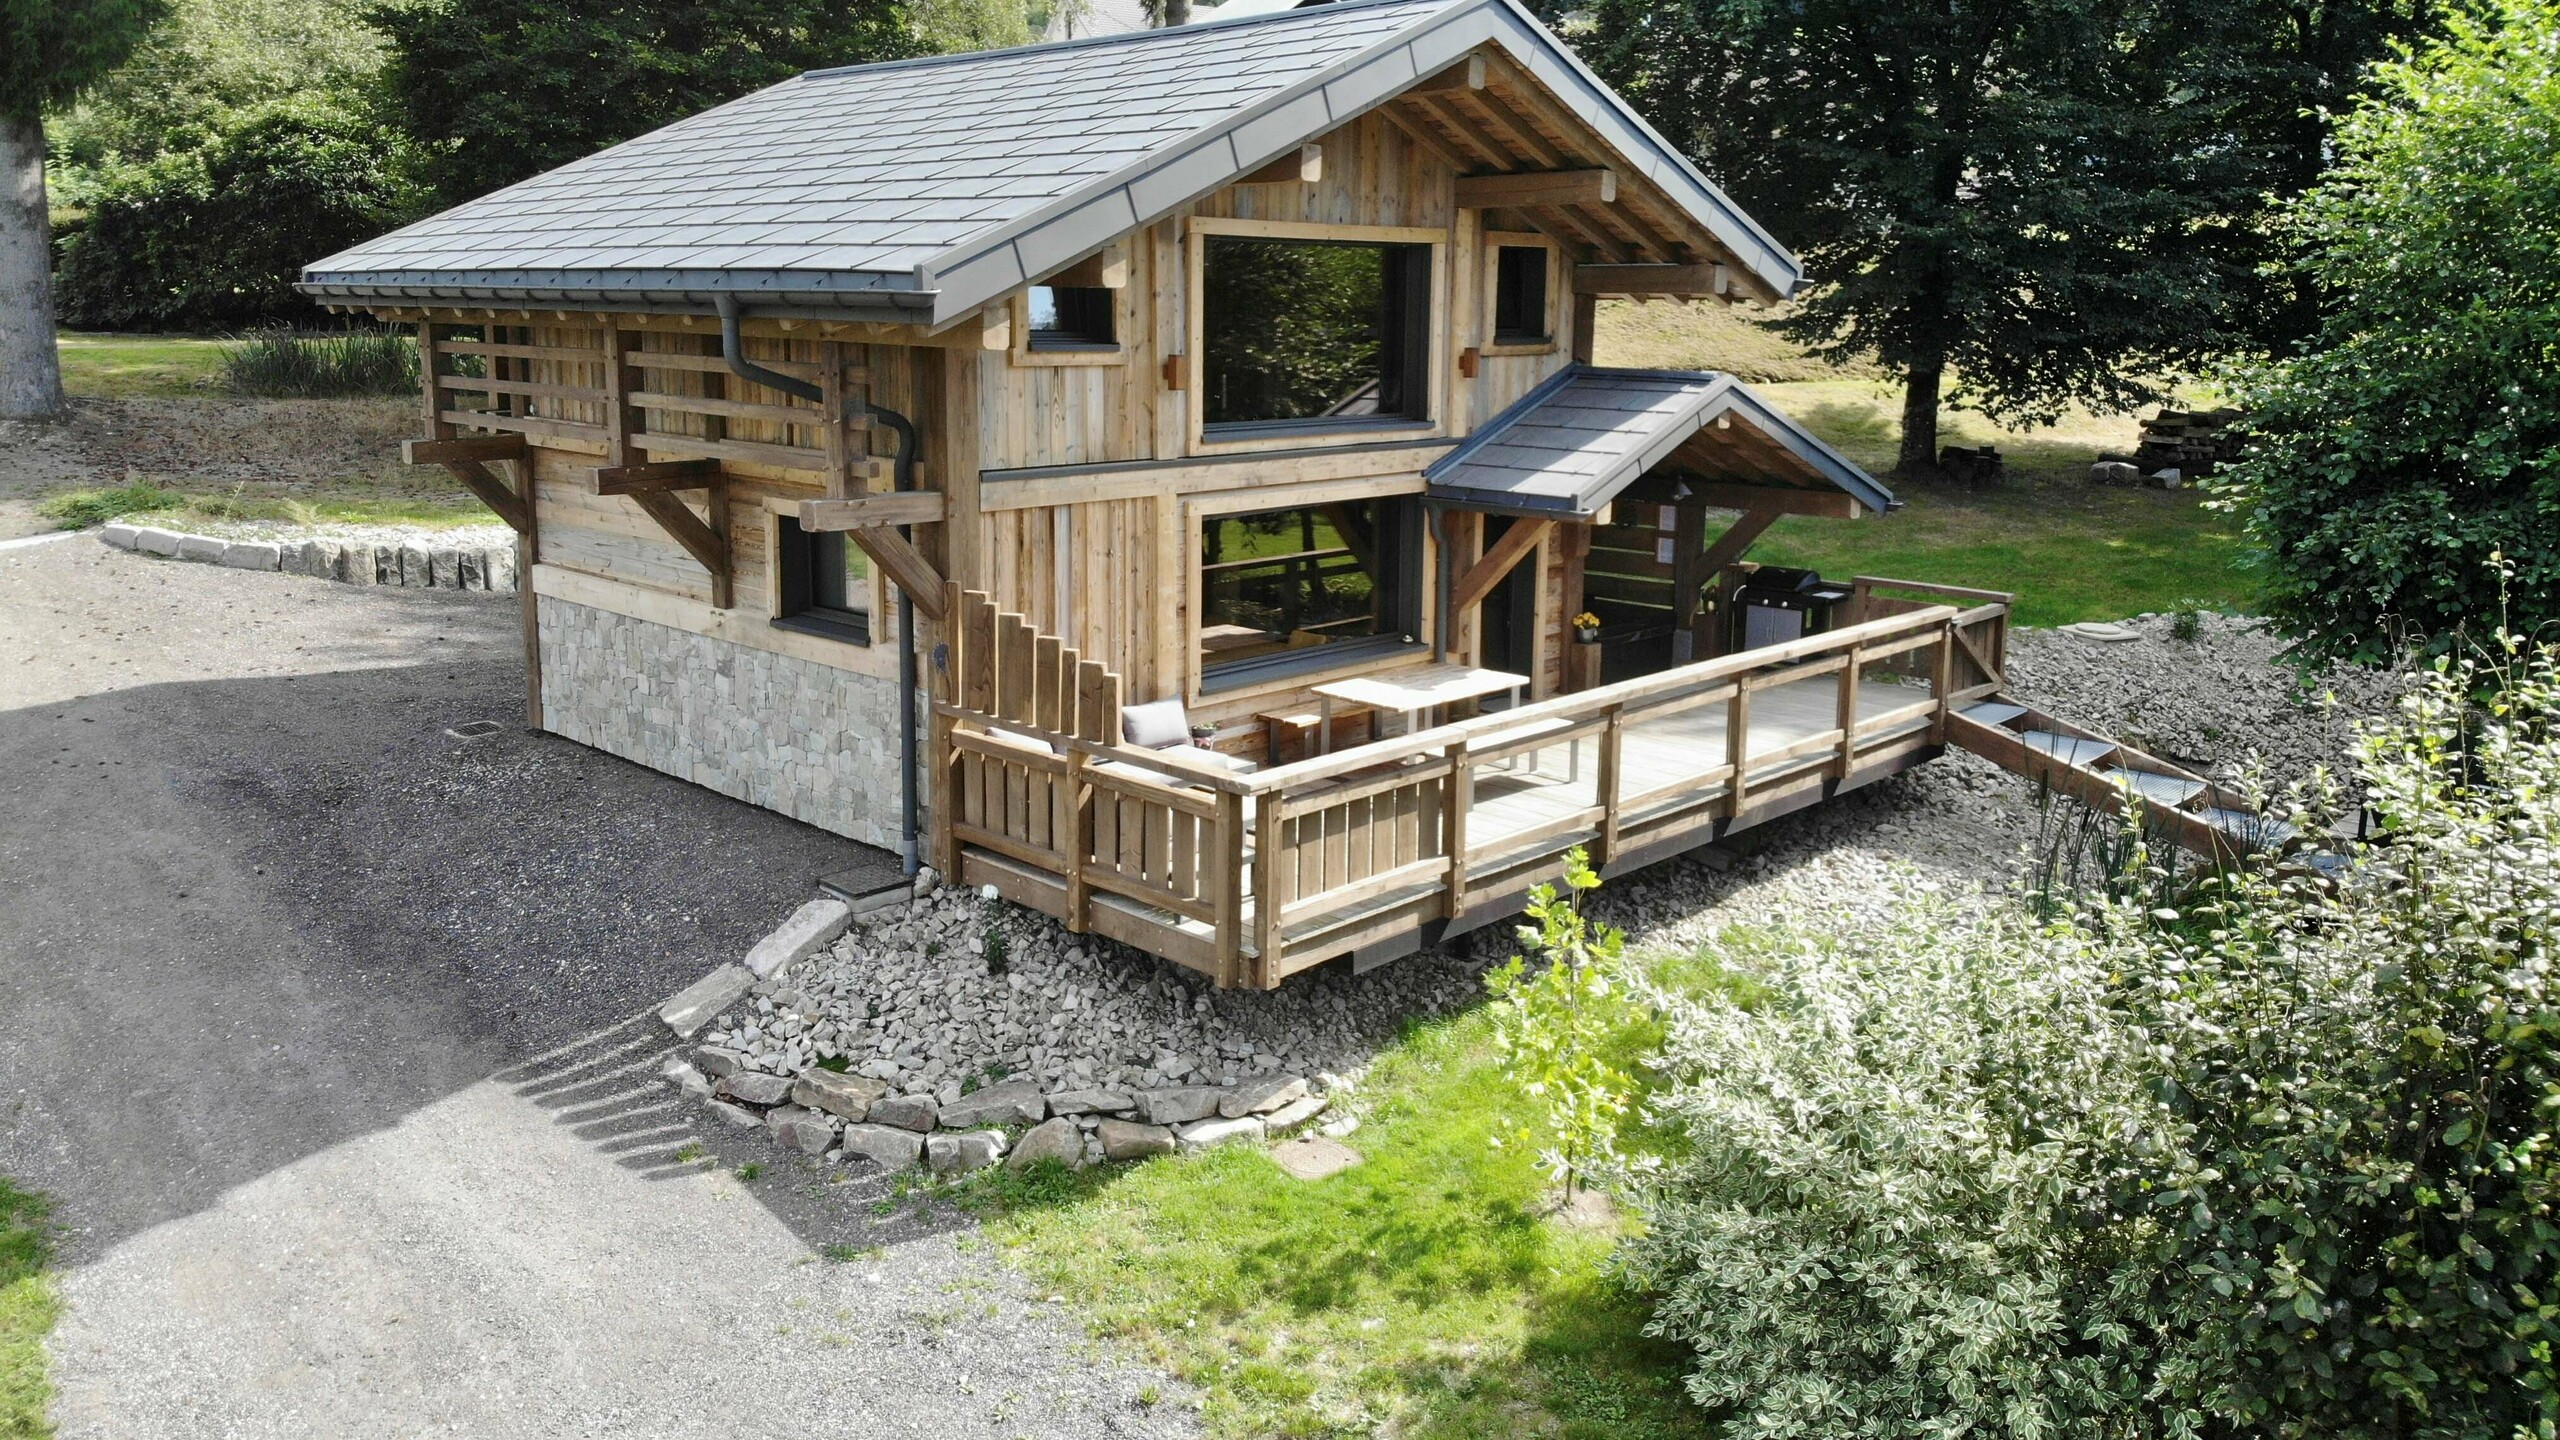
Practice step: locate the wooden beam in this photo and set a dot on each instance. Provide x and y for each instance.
(915, 576)
(1783, 500)
(1736, 539)
(707, 546)
(471, 447)
(1105, 269)
(1481, 577)
(1422, 135)
(995, 327)
(497, 494)
(1305, 167)
(1651, 280)
(1537, 187)
(864, 512)
(1467, 74)
(653, 475)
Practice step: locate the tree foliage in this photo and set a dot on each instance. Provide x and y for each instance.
(1557, 1028)
(52, 50)
(499, 90)
(2421, 433)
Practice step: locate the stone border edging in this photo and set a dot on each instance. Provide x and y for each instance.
(348, 562)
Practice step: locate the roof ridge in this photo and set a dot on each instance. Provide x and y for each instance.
(1126, 37)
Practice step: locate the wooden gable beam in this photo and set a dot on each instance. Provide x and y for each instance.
(1305, 167)
(1105, 269)
(1832, 504)
(1423, 135)
(1467, 74)
(915, 576)
(1652, 280)
(1481, 577)
(1537, 187)
(864, 512)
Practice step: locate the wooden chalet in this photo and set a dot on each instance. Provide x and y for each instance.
(1160, 475)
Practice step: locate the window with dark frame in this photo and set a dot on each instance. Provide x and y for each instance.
(1520, 295)
(1313, 333)
(825, 582)
(1308, 586)
(1073, 317)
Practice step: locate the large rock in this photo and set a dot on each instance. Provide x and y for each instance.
(692, 1007)
(1180, 1105)
(955, 1153)
(1294, 1114)
(1314, 1157)
(684, 1077)
(252, 555)
(1201, 1134)
(120, 536)
(754, 1087)
(907, 1112)
(850, 1096)
(718, 1062)
(1261, 1097)
(2115, 472)
(444, 564)
(1092, 1102)
(1128, 1140)
(1060, 1140)
(809, 927)
(1009, 1103)
(738, 1115)
(416, 573)
(203, 549)
(800, 1128)
(883, 1145)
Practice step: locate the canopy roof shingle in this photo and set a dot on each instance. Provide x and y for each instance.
(916, 191)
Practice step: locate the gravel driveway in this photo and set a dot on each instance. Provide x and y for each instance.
(317, 1023)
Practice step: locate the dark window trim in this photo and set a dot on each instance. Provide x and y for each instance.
(1405, 610)
(1243, 674)
(792, 547)
(1070, 340)
(1419, 341)
(1545, 335)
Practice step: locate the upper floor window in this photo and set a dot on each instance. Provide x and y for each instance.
(1313, 332)
(1520, 296)
(1073, 317)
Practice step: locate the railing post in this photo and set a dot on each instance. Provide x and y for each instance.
(1847, 723)
(1612, 744)
(1075, 839)
(1941, 681)
(1460, 794)
(1226, 849)
(1267, 814)
(1737, 743)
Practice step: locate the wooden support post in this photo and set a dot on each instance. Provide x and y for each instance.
(945, 683)
(1942, 680)
(1613, 742)
(1226, 862)
(1459, 797)
(1688, 578)
(1737, 746)
(1481, 577)
(1847, 721)
(1266, 890)
(835, 434)
(430, 370)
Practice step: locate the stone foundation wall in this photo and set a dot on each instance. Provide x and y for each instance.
(816, 743)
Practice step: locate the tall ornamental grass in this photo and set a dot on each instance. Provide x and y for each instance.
(322, 365)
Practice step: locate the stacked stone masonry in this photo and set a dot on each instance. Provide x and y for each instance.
(814, 742)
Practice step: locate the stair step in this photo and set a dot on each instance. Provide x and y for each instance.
(1992, 712)
(2069, 749)
(2170, 790)
(2246, 826)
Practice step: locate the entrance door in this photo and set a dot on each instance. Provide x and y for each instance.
(1510, 614)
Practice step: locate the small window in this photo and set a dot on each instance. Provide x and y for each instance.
(826, 582)
(1306, 585)
(1073, 317)
(1313, 333)
(1520, 296)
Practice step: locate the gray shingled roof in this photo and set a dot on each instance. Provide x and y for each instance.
(1572, 445)
(922, 189)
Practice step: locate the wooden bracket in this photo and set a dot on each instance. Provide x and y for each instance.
(914, 575)
(655, 475)
(1177, 372)
(467, 459)
(1537, 187)
(1481, 577)
(1469, 361)
(708, 546)
(863, 512)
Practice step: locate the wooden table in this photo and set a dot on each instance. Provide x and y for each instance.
(1410, 692)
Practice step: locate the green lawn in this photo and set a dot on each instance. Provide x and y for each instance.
(125, 366)
(27, 1310)
(1418, 1294)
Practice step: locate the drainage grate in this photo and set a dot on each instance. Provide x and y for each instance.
(474, 729)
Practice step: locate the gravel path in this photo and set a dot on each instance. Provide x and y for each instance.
(315, 1025)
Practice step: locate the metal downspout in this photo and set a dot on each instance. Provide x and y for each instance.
(733, 350)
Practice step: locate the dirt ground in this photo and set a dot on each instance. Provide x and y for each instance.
(263, 448)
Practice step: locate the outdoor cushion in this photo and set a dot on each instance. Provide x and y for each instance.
(1156, 725)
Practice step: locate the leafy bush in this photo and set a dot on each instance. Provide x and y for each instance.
(2279, 1161)
(302, 365)
(1894, 1214)
(213, 238)
(2421, 431)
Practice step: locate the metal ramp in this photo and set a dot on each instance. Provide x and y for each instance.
(2192, 811)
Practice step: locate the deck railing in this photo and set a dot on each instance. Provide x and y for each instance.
(1253, 877)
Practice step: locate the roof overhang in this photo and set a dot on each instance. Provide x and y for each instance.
(1577, 442)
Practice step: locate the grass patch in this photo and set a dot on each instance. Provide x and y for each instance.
(80, 509)
(150, 503)
(121, 367)
(1420, 1292)
(321, 365)
(27, 1311)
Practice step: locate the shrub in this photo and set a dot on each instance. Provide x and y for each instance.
(2421, 431)
(80, 509)
(214, 237)
(1556, 1028)
(1894, 1216)
(293, 364)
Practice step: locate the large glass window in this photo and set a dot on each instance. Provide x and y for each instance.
(826, 582)
(1276, 585)
(1313, 332)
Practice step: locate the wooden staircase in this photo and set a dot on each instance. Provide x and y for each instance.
(2196, 814)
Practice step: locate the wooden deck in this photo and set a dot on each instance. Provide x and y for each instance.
(1384, 848)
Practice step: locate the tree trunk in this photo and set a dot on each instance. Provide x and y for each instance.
(1920, 418)
(1173, 12)
(30, 372)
